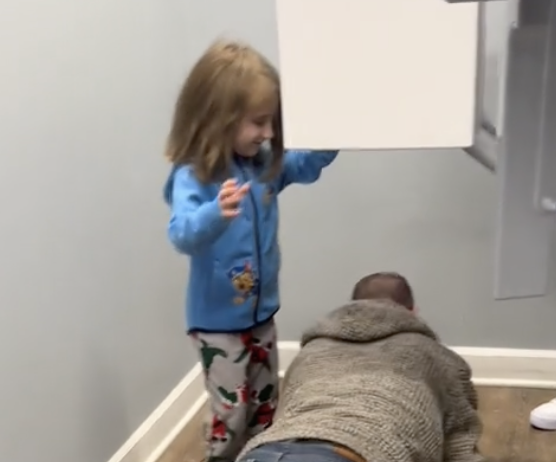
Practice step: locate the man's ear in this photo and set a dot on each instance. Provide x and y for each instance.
(414, 310)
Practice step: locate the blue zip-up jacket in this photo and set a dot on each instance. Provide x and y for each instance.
(233, 274)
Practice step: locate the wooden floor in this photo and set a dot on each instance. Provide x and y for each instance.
(507, 434)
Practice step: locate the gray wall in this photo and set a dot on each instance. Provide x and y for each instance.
(91, 330)
(91, 336)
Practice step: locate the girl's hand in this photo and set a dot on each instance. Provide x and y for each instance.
(229, 197)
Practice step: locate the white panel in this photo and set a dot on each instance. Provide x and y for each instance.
(377, 74)
(526, 169)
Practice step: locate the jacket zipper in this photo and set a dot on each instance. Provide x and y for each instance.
(257, 245)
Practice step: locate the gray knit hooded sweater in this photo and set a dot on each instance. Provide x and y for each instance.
(373, 377)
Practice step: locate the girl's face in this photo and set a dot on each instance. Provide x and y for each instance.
(254, 129)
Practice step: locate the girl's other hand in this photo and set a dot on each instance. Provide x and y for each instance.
(229, 197)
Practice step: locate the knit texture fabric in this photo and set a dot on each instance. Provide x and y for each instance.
(373, 377)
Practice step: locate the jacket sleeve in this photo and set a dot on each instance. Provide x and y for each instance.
(464, 428)
(194, 223)
(304, 167)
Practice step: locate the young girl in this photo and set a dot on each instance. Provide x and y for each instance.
(223, 193)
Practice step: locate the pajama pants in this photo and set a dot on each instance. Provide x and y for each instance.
(241, 378)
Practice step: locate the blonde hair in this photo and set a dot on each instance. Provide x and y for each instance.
(228, 80)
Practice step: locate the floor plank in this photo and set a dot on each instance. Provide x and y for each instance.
(505, 413)
(508, 437)
(189, 445)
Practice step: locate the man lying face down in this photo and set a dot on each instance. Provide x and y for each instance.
(372, 383)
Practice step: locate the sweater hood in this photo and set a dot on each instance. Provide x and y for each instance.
(367, 321)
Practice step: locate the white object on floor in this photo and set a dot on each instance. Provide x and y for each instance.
(543, 417)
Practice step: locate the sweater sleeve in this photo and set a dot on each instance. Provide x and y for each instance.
(464, 427)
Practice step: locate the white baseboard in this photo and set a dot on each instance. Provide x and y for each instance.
(505, 367)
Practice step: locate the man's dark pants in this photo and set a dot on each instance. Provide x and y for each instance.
(296, 451)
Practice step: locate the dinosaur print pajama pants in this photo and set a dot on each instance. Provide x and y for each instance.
(241, 378)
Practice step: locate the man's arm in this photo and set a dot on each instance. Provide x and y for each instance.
(463, 425)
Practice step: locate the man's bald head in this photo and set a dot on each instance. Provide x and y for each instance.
(390, 286)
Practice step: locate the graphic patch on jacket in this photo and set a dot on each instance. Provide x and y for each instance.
(245, 282)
